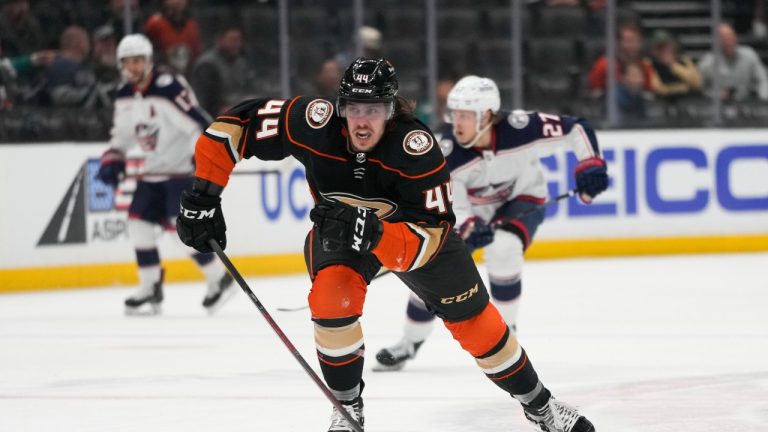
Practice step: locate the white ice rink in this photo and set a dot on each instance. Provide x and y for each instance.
(641, 345)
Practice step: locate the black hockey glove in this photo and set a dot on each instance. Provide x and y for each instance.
(591, 178)
(341, 226)
(112, 168)
(475, 233)
(200, 219)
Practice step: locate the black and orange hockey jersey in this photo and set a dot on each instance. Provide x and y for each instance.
(404, 179)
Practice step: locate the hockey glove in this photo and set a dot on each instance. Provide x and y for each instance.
(112, 169)
(200, 219)
(591, 178)
(475, 233)
(341, 226)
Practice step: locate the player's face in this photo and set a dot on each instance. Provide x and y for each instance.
(134, 68)
(464, 125)
(366, 123)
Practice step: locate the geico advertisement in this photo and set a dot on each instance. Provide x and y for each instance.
(665, 183)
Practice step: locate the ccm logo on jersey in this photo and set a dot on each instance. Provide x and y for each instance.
(461, 297)
(417, 142)
(197, 214)
(318, 113)
(357, 236)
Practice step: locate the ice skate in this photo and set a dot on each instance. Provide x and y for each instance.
(355, 410)
(218, 293)
(556, 416)
(147, 300)
(394, 357)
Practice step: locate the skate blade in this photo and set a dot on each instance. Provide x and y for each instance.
(150, 309)
(225, 296)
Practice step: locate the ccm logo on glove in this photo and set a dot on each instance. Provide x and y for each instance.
(341, 226)
(357, 239)
(197, 214)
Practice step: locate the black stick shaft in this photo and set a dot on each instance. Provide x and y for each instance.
(546, 204)
(327, 392)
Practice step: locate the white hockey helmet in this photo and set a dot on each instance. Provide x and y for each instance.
(134, 45)
(474, 93)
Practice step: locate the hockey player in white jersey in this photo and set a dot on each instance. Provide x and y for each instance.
(496, 176)
(157, 112)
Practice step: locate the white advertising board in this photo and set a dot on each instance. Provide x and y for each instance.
(670, 183)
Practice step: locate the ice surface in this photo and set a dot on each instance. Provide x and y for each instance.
(641, 345)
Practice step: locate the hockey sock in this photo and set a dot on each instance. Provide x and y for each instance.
(506, 296)
(340, 350)
(142, 235)
(420, 320)
(149, 266)
(507, 365)
(212, 268)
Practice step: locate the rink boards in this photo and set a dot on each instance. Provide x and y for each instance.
(672, 191)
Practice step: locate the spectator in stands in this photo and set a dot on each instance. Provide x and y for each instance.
(69, 80)
(328, 77)
(20, 31)
(11, 68)
(429, 114)
(759, 19)
(629, 51)
(631, 95)
(113, 16)
(674, 75)
(222, 76)
(742, 74)
(371, 40)
(104, 64)
(176, 35)
(104, 60)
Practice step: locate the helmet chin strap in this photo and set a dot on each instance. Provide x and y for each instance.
(144, 74)
(479, 132)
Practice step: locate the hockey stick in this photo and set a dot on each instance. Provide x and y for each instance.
(502, 226)
(235, 274)
(537, 207)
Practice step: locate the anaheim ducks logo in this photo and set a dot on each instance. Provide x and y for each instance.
(417, 142)
(383, 208)
(318, 113)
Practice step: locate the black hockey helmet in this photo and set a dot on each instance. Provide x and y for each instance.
(368, 80)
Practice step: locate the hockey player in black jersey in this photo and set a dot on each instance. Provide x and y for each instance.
(383, 198)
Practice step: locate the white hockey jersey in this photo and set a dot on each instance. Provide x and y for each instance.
(483, 180)
(164, 121)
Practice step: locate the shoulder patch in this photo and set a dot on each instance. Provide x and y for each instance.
(446, 146)
(164, 80)
(318, 113)
(417, 142)
(518, 119)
